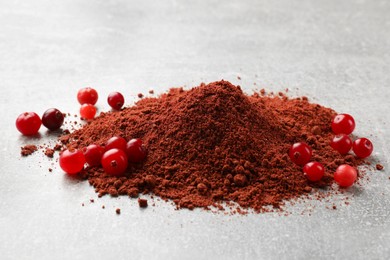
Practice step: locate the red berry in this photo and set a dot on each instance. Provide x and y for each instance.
(136, 151)
(28, 123)
(314, 171)
(72, 161)
(52, 119)
(87, 111)
(114, 162)
(345, 175)
(343, 124)
(362, 147)
(341, 143)
(116, 100)
(93, 154)
(116, 142)
(300, 153)
(87, 96)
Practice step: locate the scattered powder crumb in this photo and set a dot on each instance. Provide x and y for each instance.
(28, 149)
(50, 169)
(334, 207)
(143, 203)
(92, 200)
(140, 95)
(118, 211)
(103, 207)
(49, 152)
(57, 147)
(82, 204)
(379, 167)
(151, 91)
(238, 77)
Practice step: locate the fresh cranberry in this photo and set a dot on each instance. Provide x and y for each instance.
(72, 161)
(136, 151)
(114, 162)
(362, 147)
(343, 124)
(314, 171)
(93, 154)
(116, 142)
(345, 175)
(300, 153)
(116, 100)
(87, 96)
(87, 111)
(28, 123)
(341, 143)
(52, 119)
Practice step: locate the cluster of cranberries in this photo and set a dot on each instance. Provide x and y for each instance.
(29, 123)
(114, 156)
(345, 175)
(88, 97)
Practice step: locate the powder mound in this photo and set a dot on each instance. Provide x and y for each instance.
(213, 144)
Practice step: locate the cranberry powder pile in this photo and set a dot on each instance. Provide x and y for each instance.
(214, 145)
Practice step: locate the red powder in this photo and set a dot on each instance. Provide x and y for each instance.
(214, 144)
(28, 149)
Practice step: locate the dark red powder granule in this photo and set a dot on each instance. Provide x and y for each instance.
(151, 91)
(49, 152)
(143, 203)
(379, 167)
(214, 144)
(118, 211)
(28, 149)
(140, 95)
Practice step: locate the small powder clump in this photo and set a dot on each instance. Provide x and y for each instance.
(213, 144)
(28, 149)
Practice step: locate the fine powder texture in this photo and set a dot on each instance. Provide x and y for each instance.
(214, 144)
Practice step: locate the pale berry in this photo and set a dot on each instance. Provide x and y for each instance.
(345, 175)
(87, 96)
(72, 161)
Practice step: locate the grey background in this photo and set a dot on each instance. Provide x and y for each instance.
(335, 52)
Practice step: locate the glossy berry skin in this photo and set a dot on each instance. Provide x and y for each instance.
(93, 154)
(136, 151)
(341, 143)
(52, 119)
(88, 111)
(114, 162)
(72, 161)
(300, 153)
(345, 175)
(28, 123)
(116, 100)
(87, 96)
(116, 142)
(362, 147)
(343, 124)
(314, 171)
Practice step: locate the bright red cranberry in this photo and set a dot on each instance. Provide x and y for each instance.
(93, 154)
(300, 153)
(28, 123)
(116, 100)
(87, 96)
(52, 119)
(341, 143)
(362, 147)
(72, 161)
(136, 151)
(116, 142)
(314, 171)
(345, 175)
(87, 111)
(114, 162)
(343, 124)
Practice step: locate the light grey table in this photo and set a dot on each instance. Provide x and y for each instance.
(335, 52)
